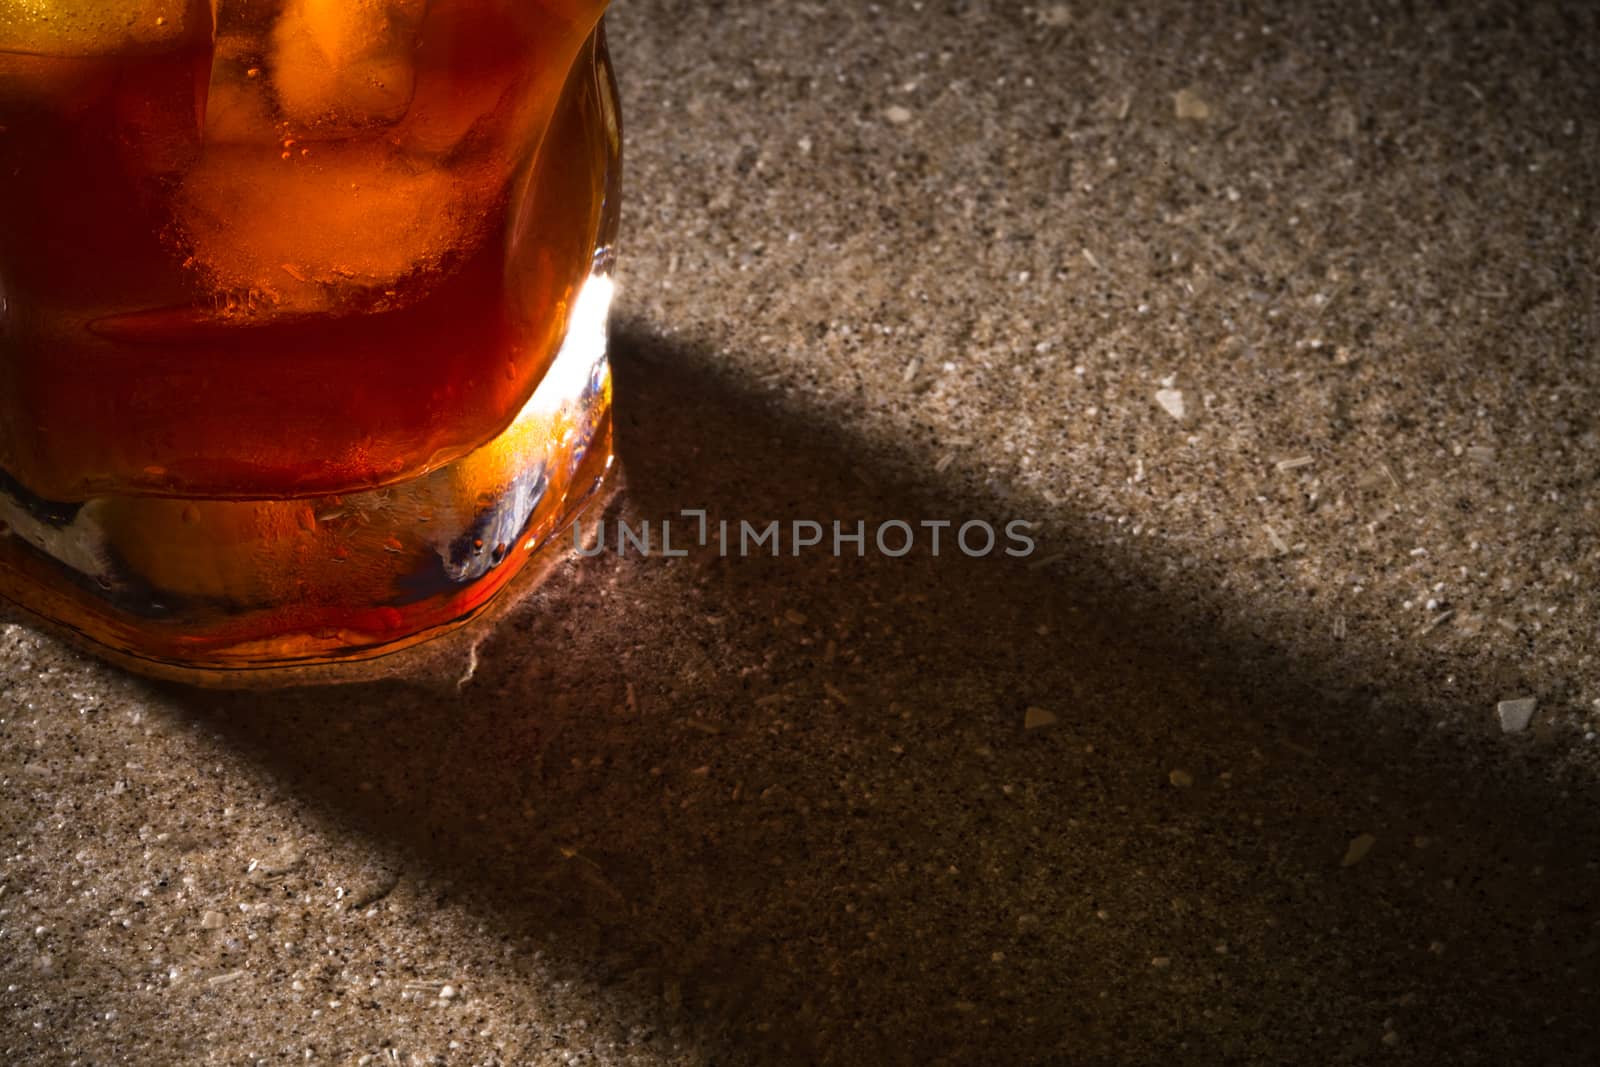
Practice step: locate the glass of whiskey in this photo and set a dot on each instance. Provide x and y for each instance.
(302, 316)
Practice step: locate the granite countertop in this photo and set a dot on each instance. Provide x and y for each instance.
(1277, 321)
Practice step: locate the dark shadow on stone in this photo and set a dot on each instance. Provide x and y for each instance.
(791, 803)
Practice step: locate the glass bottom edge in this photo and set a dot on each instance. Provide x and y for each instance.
(307, 591)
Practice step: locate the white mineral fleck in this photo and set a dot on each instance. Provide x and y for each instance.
(1171, 401)
(1515, 715)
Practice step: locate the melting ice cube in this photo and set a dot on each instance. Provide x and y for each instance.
(346, 62)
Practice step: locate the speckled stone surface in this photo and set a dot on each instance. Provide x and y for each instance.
(955, 260)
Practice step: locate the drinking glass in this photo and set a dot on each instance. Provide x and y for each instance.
(302, 316)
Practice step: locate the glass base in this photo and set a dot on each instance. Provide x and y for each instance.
(250, 592)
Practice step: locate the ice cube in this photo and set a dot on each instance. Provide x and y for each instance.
(99, 27)
(239, 108)
(347, 63)
(346, 217)
(346, 30)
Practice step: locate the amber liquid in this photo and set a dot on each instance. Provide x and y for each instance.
(128, 363)
(243, 319)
